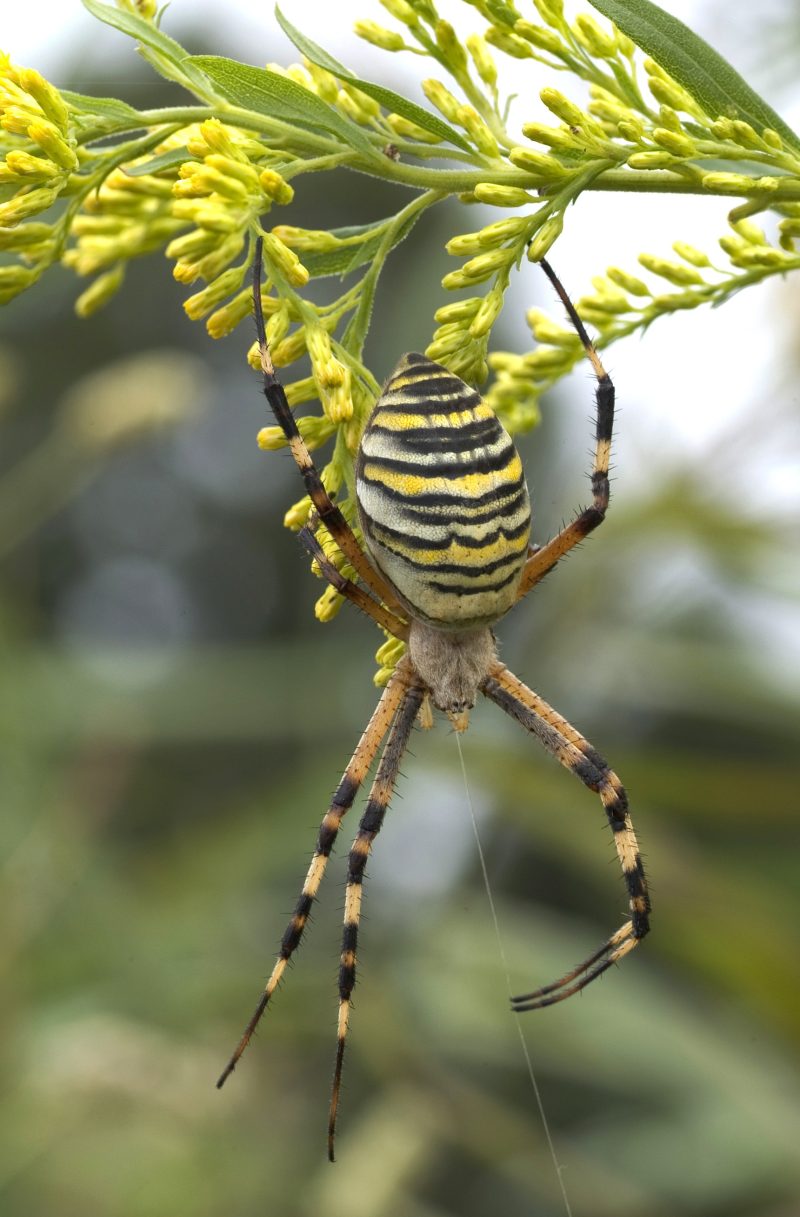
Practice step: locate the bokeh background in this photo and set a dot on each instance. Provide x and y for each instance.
(173, 721)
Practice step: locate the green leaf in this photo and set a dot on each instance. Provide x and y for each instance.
(166, 49)
(279, 97)
(342, 261)
(109, 108)
(386, 97)
(166, 160)
(701, 70)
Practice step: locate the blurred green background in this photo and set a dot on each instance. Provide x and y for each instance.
(173, 721)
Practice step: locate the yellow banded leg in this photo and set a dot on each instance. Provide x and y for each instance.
(368, 829)
(576, 754)
(348, 788)
(540, 563)
(330, 515)
(351, 591)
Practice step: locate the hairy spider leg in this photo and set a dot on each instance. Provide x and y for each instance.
(350, 590)
(545, 558)
(355, 773)
(575, 753)
(330, 515)
(368, 829)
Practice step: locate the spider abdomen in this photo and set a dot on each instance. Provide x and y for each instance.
(442, 498)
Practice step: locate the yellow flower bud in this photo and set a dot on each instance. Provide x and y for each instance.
(501, 231)
(328, 605)
(189, 245)
(326, 85)
(405, 129)
(563, 108)
(738, 183)
(477, 130)
(297, 515)
(673, 272)
(487, 314)
(371, 32)
(540, 163)
(52, 142)
(22, 205)
(441, 97)
(459, 310)
(100, 291)
(591, 36)
(449, 45)
(46, 96)
(338, 402)
(271, 439)
(484, 64)
(545, 237)
(203, 302)
(552, 136)
(25, 236)
(539, 36)
(480, 268)
(225, 320)
(628, 282)
(551, 11)
(401, 10)
(467, 243)
(286, 260)
(509, 43)
(676, 143)
(275, 187)
(13, 280)
(23, 164)
(545, 330)
(651, 160)
(501, 196)
(694, 257)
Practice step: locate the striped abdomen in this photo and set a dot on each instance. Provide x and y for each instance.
(442, 497)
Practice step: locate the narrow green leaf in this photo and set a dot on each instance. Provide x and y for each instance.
(167, 160)
(149, 36)
(342, 261)
(108, 108)
(702, 71)
(279, 97)
(394, 102)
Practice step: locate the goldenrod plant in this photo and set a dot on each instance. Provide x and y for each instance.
(92, 183)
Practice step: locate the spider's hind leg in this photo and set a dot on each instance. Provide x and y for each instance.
(368, 829)
(576, 754)
(355, 773)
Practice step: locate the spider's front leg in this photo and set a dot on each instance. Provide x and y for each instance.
(575, 753)
(542, 561)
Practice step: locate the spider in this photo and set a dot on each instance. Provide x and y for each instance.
(445, 514)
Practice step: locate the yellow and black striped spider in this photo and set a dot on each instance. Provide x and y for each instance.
(445, 515)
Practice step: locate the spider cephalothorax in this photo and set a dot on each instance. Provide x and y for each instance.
(445, 514)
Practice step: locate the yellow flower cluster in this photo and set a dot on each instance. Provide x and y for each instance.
(39, 159)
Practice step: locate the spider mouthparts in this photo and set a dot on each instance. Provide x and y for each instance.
(459, 719)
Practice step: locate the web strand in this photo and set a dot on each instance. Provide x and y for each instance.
(501, 949)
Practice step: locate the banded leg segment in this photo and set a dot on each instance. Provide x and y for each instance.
(351, 591)
(342, 801)
(368, 829)
(575, 753)
(543, 561)
(330, 515)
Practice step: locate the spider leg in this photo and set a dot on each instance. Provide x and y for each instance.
(368, 829)
(350, 590)
(330, 515)
(342, 801)
(576, 754)
(542, 562)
